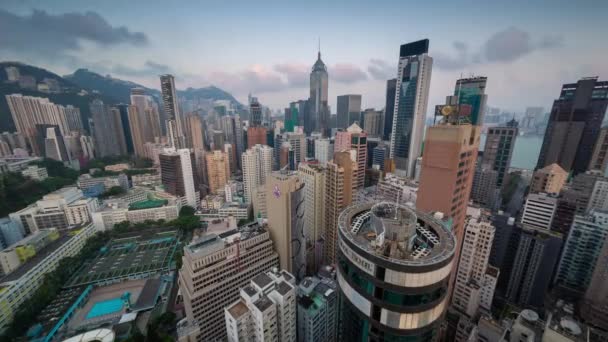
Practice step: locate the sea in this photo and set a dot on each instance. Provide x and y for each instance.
(526, 151)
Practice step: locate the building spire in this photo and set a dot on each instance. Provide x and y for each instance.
(319, 49)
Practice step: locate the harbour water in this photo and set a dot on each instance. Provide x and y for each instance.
(525, 153)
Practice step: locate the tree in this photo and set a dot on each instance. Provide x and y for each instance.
(186, 223)
(186, 211)
(113, 191)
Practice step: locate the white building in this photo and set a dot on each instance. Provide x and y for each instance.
(298, 144)
(107, 217)
(539, 210)
(257, 165)
(266, 310)
(81, 211)
(324, 150)
(599, 196)
(473, 265)
(35, 172)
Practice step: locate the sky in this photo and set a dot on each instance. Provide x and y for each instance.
(527, 49)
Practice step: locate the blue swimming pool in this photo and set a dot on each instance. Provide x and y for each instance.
(105, 307)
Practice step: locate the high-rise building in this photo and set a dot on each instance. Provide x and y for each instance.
(446, 175)
(170, 102)
(372, 122)
(324, 150)
(354, 138)
(266, 310)
(389, 108)
(285, 198)
(379, 155)
(298, 144)
(599, 158)
(257, 166)
(581, 249)
(393, 269)
(145, 116)
(255, 112)
(550, 179)
(123, 112)
(177, 176)
(318, 108)
(233, 134)
(471, 91)
(256, 136)
(107, 131)
(536, 256)
(539, 211)
(54, 144)
(498, 150)
(214, 268)
(472, 277)
(349, 110)
(339, 184)
(317, 310)
(594, 308)
(574, 125)
(313, 177)
(411, 97)
(484, 191)
(218, 170)
(195, 137)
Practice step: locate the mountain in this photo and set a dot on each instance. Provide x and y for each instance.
(83, 86)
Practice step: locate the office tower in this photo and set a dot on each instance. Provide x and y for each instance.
(317, 310)
(255, 110)
(594, 308)
(174, 120)
(504, 247)
(257, 166)
(539, 211)
(310, 145)
(550, 179)
(29, 111)
(318, 108)
(229, 150)
(389, 108)
(411, 97)
(285, 199)
(536, 255)
(393, 268)
(218, 170)
(123, 113)
(448, 167)
(372, 122)
(379, 155)
(176, 174)
(287, 159)
(324, 150)
(298, 144)
(354, 138)
(349, 110)
(313, 177)
(54, 144)
(214, 268)
(146, 116)
(256, 136)
(581, 249)
(193, 129)
(599, 160)
(266, 310)
(474, 286)
(498, 150)
(471, 92)
(484, 191)
(574, 125)
(339, 183)
(218, 140)
(298, 115)
(233, 134)
(108, 131)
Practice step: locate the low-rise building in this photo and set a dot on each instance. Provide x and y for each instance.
(95, 186)
(35, 172)
(317, 310)
(153, 209)
(12, 257)
(117, 167)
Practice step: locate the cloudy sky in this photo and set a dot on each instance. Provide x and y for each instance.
(527, 50)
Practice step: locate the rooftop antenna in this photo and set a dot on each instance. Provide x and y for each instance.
(319, 48)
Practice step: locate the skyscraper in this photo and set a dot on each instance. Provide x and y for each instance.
(313, 176)
(550, 179)
(298, 145)
(318, 108)
(498, 150)
(539, 211)
(233, 134)
(339, 181)
(389, 108)
(218, 170)
(256, 136)
(123, 112)
(599, 159)
(372, 122)
(255, 110)
(324, 150)
(354, 138)
(108, 131)
(176, 173)
(574, 125)
(393, 265)
(194, 133)
(595, 304)
(349, 110)
(285, 199)
(471, 91)
(172, 113)
(411, 97)
(257, 166)
(148, 117)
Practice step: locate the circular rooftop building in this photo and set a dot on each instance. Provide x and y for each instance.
(394, 264)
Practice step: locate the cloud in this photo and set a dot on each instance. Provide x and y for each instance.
(381, 70)
(505, 46)
(149, 69)
(347, 73)
(297, 75)
(255, 79)
(45, 35)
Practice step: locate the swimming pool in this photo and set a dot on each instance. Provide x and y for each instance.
(105, 307)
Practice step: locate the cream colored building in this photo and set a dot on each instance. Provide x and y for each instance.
(550, 179)
(218, 170)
